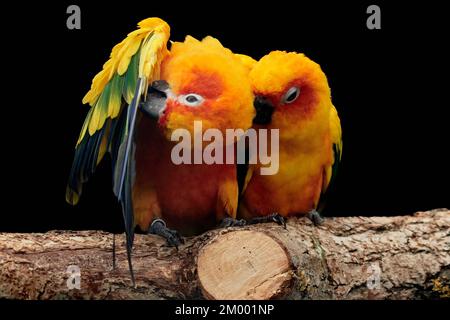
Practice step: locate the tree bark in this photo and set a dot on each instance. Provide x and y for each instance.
(404, 257)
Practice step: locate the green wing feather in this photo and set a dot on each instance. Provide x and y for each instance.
(112, 90)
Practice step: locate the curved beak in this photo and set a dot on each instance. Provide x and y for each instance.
(155, 104)
(264, 110)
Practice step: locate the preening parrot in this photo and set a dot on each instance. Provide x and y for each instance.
(143, 94)
(292, 95)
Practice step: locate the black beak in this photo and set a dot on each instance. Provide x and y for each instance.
(156, 99)
(264, 110)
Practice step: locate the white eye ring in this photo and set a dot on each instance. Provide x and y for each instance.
(191, 99)
(291, 95)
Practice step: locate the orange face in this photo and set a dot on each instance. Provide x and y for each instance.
(290, 90)
(205, 83)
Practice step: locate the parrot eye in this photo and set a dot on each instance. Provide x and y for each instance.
(291, 95)
(191, 99)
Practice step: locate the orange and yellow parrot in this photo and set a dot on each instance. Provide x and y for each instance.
(143, 94)
(292, 95)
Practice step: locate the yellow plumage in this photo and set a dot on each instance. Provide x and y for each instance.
(336, 131)
(247, 61)
(310, 134)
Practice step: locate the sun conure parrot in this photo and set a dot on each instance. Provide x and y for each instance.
(143, 94)
(292, 95)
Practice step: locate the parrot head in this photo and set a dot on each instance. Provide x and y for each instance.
(201, 81)
(291, 92)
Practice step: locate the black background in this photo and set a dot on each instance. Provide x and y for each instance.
(390, 87)
(284, 309)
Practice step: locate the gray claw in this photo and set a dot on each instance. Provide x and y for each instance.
(315, 217)
(274, 217)
(172, 237)
(230, 222)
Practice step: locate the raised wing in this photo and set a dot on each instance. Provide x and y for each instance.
(109, 125)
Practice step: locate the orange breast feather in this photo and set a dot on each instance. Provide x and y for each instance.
(185, 196)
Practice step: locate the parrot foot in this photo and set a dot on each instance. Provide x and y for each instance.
(230, 222)
(315, 217)
(274, 217)
(172, 237)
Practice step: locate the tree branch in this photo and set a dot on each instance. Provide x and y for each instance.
(404, 257)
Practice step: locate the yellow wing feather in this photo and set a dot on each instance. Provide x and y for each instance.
(336, 131)
(105, 95)
(336, 140)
